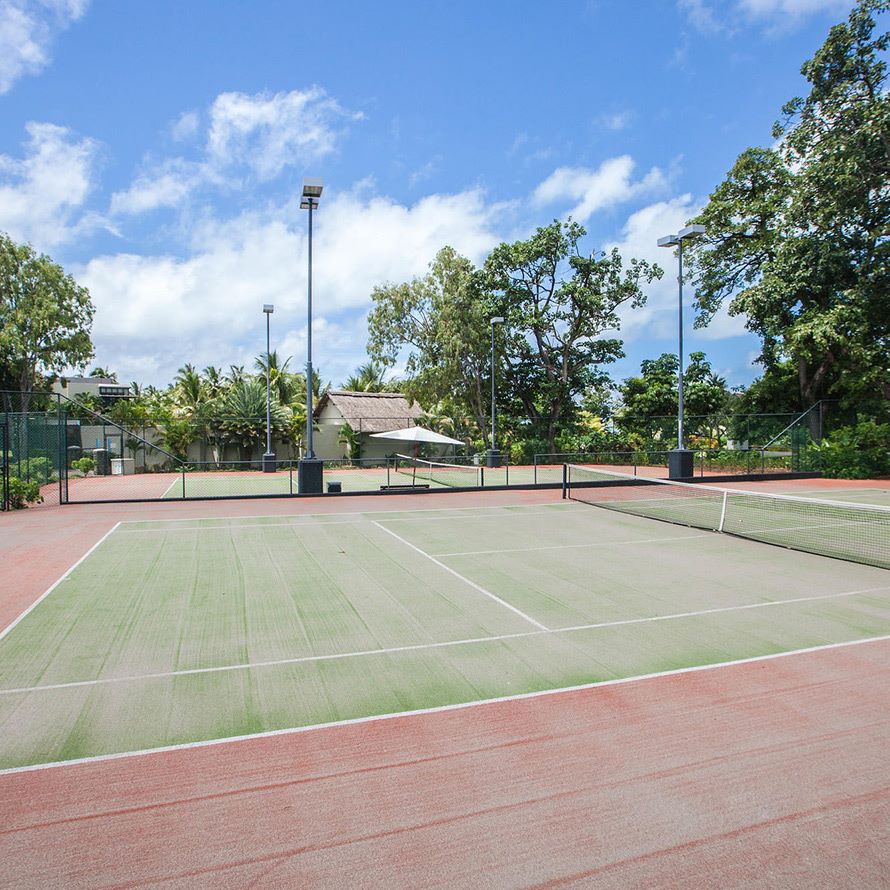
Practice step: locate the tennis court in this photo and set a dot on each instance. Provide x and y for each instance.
(182, 631)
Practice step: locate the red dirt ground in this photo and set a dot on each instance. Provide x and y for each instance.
(766, 774)
(772, 773)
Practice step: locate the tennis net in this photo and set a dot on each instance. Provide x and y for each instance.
(854, 532)
(436, 472)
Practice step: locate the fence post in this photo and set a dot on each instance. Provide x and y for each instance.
(291, 474)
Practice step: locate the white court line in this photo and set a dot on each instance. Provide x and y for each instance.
(457, 575)
(363, 653)
(496, 509)
(374, 718)
(690, 537)
(318, 524)
(53, 586)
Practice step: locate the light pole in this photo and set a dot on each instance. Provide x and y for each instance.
(309, 470)
(494, 456)
(680, 461)
(269, 456)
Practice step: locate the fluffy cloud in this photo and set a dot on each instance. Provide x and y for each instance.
(245, 137)
(206, 307)
(792, 9)
(725, 16)
(27, 29)
(41, 195)
(609, 184)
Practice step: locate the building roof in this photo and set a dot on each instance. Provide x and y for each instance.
(372, 412)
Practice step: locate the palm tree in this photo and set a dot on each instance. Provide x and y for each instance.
(242, 415)
(213, 381)
(236, 374)
(367, 378)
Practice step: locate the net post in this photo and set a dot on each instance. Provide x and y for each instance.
(183, 482)
(565, 477)
(723, 512)
(291, 474)
(388, 465)
(507, 471)
(482, 477)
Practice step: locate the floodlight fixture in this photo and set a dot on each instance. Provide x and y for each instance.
(268, 308)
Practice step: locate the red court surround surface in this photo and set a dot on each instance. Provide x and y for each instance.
(773, 773)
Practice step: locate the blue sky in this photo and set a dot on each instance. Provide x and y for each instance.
(157, 151)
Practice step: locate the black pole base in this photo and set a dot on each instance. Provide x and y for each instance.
(310, 471)
(681, 463)
(494, 458)
(269, 462)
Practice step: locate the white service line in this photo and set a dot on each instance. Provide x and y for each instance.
(451, 571)
(53, 586)
(419, 712)
(363, 653)
(496, 510)
(690, 537)
(315, 523)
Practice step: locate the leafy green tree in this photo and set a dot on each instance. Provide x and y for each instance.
(558, 304)
(798, 234)
(45, 316)
(103, 373)
(442, 319)
(651, 402)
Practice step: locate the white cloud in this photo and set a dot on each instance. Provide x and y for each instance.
(617, 121)
(206, 306)
(610, 184)
(165, 186)
(791, 9)
(658, 318)
(725, 16)
(186, 126)
(41, 194)
(702, 16)
(27, 29)
(247, 137)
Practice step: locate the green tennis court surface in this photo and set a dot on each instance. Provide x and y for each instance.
(183, 631)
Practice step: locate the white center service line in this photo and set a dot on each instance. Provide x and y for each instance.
(690, 537)
(451, 571)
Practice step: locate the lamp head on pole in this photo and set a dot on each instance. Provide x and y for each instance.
(498, 319)
(312, 189)
(668, 241)
(268, 308)
(690, 232)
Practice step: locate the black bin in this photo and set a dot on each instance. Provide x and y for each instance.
(335, 487)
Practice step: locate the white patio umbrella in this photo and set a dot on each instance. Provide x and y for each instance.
(417, 434)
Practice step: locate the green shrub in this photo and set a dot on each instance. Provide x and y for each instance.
(84, 465)
(857, 452)
(39, 468)
(22, 493)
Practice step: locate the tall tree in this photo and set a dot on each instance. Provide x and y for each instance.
(45, 315)
(799, 235)
(442, 319)
(559, 305)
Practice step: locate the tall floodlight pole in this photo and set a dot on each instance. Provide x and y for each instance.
(309, 474)
(680, 461)
(494, 456)
(269, 456)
